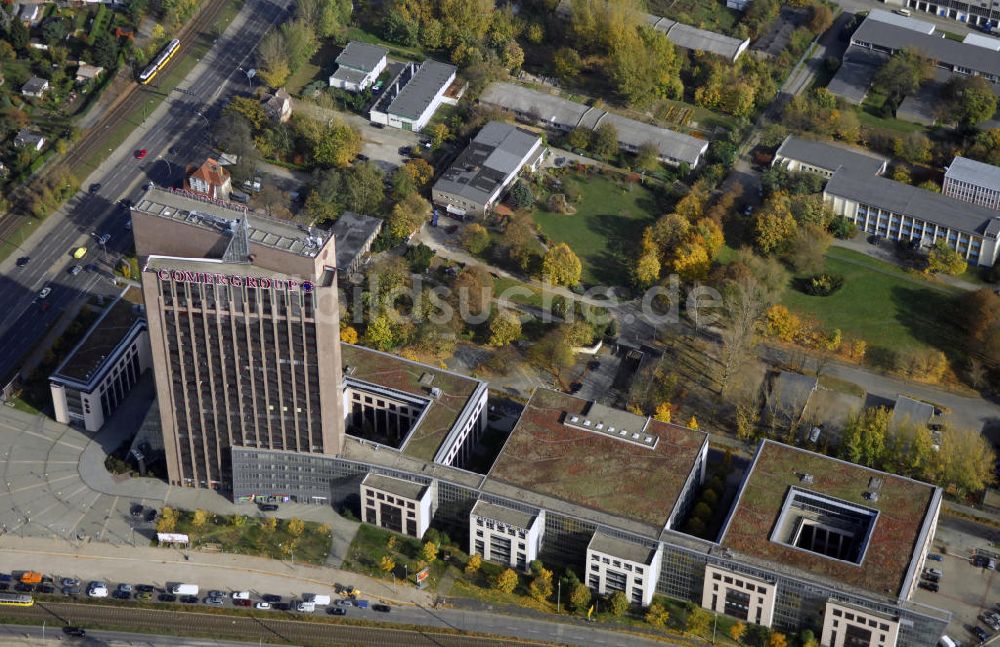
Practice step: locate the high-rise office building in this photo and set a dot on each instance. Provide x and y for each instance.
(243, 324)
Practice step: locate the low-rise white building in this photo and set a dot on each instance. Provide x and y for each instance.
(747, 598)
(409, 101)
(504, 535)
(798, 154)
(358, 66)
(398, 505)
(972, 181)
(845, 625)
(618, 565)
(99, 372)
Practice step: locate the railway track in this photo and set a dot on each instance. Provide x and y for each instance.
(131, 99)
(317, 633)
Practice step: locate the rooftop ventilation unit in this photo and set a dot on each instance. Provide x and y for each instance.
(426, 379)
(807, 478)
(349, 370)
(435, 393)
(871, 495)
(601, 427)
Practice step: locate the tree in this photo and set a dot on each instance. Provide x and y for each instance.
(274, 202)
(199, 519)
(657, 615)
(104, 50)
(407, 216)
(248, 108)
(863, 439)
(807, 252)
(691, 262)
(692, 423)
(512, 56)
(618, 603)
(645, 67)
(269, 525)
(380, 334)
(944, 259)
(420, 170)
(969, 100)
(903, 74)
(295, 527)
(967, 459)
(338, 145)
(664, 412)
(914, 148)
(387, 564)
(474, 563)
(782, 323)
(541, 585)
(520, 196)
(580, 137)
(272, 59)
(777, 639)
(579, 596)
(348, 335)
(300, 43)
(475, 238)
(505, 328)
(647, 269)
(506, 581)
(698, 620)
(429, 552)
(604, 142)
(364, 190)
(54, 31)
(553, 352)
(438, 133)
(168, 519)
(18, 35)
(561, 266)
(566, 64)
(736, 631)
(323, 200)
(775, 225)
(820, 19)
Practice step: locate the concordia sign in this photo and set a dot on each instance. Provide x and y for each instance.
(187, 276)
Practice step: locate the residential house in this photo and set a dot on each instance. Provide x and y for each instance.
(27, 139)
(35, 87)
(211, 179)
(278, 106)
(86, 72)
(358, 66)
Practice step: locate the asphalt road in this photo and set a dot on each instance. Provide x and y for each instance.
(175, 135)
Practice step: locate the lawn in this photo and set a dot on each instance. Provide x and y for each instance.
(606, 229)
(371, 543)
(881, 304)
(707, 14)
(253, 538)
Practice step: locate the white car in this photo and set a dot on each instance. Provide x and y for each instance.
(262, 605)
(46, 291)
(97, 591)
(241, 595)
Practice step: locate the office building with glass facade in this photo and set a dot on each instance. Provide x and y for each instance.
(505, 535)
(398, 505)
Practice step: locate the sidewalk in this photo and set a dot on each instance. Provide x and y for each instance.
(158, 566)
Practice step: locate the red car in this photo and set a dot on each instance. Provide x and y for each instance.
(141, 153)
(242, 603)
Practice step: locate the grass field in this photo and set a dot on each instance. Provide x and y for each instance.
(881, 304)
(312, 546)
(605, 230)
(707, 14)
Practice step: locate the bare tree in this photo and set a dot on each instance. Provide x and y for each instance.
(744, 300)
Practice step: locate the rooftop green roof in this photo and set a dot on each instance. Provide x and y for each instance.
(903, 505)
(593, 469)
(404, 375)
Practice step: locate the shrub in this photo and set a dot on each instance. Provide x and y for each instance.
(822, 285)
(618, 603)
(506, 581)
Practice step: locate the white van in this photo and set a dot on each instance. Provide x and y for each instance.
(241, 595)
(305, 607)
(946, 642)
(902, 12)
(185, 589)
(318, 600)
(97, 590)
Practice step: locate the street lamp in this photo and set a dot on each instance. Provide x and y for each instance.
(250, 72)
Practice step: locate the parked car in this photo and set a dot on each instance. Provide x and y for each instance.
(361, 604)
(95, 187)
(76, 269)
(23, 260)
(189, 599)
(268, 507)
(931, 578)
(270, 597)
(933, 571)
(125, 588)
(46, 588)
(167, 597)
(241, 595)
(71, 590)
(242, 603)
(70, 581)
(145, 588)
(46, 291)
(980, 633)
(76, 632)
(934, 557)
(381, 608)
(262, 605)
(215, 601)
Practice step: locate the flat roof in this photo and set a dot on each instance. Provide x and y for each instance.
(597, 470)
(360, 56)
(509, 516)
(221, 216)
(431, 78)
(854, 77)
(394, 372)
(830, 156)
(912, 201)
(89, 357)
(906, 22)
(399, 487)
(695, 38)
(943, 50)
(968, 170)
(903, 507)
(496, 153)
(909, 410)
(351, 232)
(567, 114)
(633, 552)
(972, 38)
(348, 75)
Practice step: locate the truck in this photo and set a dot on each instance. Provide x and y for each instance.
(305, 607)
(317, 599)
(184, 589)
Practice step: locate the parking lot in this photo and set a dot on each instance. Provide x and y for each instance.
(965, 589)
